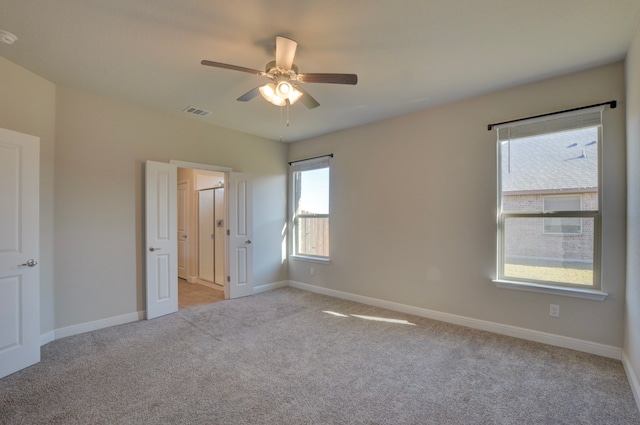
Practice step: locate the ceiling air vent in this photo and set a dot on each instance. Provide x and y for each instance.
(196, 111)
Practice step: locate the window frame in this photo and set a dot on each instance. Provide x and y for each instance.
(534, 285)
(296, 168)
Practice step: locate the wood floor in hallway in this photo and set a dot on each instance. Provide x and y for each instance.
(193, 294)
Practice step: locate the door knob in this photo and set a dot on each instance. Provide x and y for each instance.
(154, 249)
(29, 263)
(248, 241)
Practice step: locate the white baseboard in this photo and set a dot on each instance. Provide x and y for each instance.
(633, 378)
(47, 337)
(270, 286)
(517, 332)
(130, 317)
(99, 324)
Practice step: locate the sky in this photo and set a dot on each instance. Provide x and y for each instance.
(315, 191)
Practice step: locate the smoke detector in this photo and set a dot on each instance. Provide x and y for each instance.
(7, 38)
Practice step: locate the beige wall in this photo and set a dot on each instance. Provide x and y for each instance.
(27, 105)
(413, 210)
(397, 233)
(102, 145)
(632, 319)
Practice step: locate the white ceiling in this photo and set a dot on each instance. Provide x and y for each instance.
(409, 54)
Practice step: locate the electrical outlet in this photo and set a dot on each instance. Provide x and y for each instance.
(554, 310)
(312, 271)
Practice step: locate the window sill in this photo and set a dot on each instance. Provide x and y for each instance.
(588, 294)
(323, 260)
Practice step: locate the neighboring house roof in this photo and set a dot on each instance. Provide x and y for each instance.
(557, 162)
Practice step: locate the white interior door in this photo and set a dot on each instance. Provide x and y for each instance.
(219, 240)
(183, 226)
(206, 235)
(161, 238)
(240, 270)
(19, 249)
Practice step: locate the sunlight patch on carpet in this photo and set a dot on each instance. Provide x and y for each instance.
(376, 319)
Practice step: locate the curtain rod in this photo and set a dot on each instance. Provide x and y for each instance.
(307, 159)
(611, 103)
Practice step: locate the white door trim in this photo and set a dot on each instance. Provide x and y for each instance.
(198, 166)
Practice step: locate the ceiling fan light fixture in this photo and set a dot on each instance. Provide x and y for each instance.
(280, 93)
(268, 91)
(295, 95)
(283, 89)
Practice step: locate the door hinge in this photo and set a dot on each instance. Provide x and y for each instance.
(228, 232)
(228, 278)
(213, 236)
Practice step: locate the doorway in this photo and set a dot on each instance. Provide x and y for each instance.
(161, 234)
(201, 236)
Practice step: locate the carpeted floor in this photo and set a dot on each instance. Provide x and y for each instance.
(294, 357)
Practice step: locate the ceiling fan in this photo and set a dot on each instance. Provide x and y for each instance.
(284, 87)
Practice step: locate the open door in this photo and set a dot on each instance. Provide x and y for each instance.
(183, 230)
(19, 249)
(161, 238)
(240, 270)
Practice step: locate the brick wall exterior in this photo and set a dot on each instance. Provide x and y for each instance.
(528, 239)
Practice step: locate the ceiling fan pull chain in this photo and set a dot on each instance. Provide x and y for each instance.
(281, 126)
(288, 104)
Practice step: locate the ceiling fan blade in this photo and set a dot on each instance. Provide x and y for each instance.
(306, 99)
(232, 67)
(329, 78)
(249, 95)
(285, 51)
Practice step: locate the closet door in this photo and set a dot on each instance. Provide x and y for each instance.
(206, 234)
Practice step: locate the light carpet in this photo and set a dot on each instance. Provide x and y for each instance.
(294, 357)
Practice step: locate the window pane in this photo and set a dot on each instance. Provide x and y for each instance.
(311, 221)
(563, 224)
(314, 191)
(313, 236)
(534, 167)
(562, 203)
(532, 254)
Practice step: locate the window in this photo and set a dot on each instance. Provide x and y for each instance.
(548, 201)
(310, 184)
